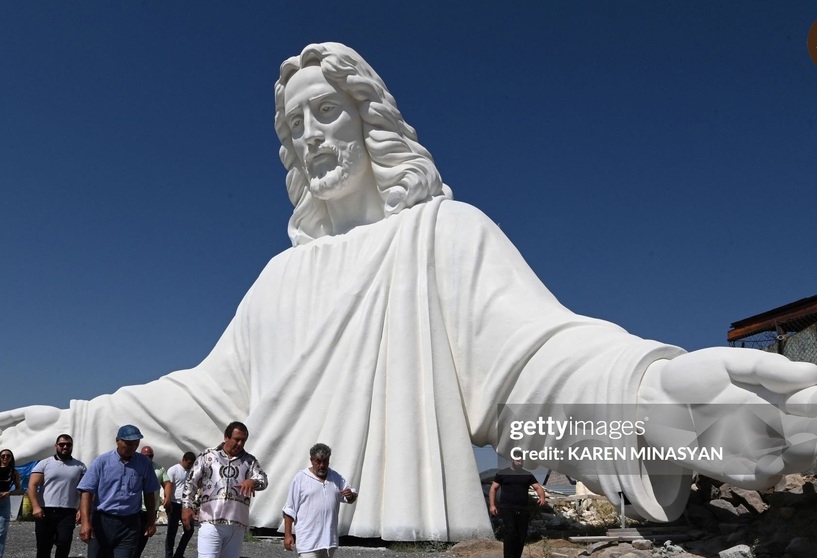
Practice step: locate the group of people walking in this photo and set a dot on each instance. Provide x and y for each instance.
(114, 500)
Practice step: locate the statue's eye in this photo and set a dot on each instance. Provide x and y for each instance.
(327, 108)
(295, 122)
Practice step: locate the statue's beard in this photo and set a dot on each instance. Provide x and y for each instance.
(349, 159)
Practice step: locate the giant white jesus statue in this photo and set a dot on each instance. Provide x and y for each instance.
(393, 328)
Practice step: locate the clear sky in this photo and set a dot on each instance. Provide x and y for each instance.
(654, 162)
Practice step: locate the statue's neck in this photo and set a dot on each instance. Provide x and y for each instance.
(361, 206)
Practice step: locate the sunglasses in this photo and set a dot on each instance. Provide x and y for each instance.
(65, 444)
(5, 456)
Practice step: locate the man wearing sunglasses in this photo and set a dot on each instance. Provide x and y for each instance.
(52, 490)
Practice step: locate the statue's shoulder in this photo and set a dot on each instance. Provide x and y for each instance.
(281, 258)
(463, 214)
(463, 219)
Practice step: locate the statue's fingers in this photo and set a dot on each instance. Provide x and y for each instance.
(781, 375)
(770, 370)
(802, 449)
(41, 416)
(752, 473)
(802, 403)
(734, 469)
(11, 418)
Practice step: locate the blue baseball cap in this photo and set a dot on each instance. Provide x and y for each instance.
(129, 433)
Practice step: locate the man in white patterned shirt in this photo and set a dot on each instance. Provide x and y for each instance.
(225, 478)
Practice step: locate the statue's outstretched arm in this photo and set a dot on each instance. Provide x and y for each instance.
(181, 411)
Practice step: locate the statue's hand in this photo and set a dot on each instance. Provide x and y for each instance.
(758, 407)
(31, 430)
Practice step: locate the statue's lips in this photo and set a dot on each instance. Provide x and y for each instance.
(321, 157)
(322, 162)
(320, 152)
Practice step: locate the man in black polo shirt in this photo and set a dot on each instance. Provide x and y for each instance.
(514, 481)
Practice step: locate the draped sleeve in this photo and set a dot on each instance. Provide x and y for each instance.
(516, 345)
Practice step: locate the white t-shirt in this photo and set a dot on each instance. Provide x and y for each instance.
(177, 474)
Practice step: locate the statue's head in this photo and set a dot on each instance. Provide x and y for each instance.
(376, 135)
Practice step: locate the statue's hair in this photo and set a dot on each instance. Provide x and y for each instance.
(404, 169)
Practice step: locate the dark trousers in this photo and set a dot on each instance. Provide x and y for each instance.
(55, 528)
(143, 539)
(115, 536)
(515, 524)
(173, 521)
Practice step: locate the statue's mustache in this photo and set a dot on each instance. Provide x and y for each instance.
(322, 149)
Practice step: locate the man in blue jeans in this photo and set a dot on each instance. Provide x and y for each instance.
(514, 502)
(111, 500)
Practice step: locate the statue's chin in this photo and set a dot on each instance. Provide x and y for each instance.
(331, 185)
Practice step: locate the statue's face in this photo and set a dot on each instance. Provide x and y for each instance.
(327, 134)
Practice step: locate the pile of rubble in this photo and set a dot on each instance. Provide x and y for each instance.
(774, 523)
(720, 520)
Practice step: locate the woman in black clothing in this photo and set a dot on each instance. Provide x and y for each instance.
(8, 478)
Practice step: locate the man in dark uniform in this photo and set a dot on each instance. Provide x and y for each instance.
(515, 514)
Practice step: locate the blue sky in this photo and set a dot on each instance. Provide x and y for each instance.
(653, 161)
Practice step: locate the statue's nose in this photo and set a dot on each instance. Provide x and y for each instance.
(313, 134)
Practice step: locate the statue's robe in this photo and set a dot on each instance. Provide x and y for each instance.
(393, 344)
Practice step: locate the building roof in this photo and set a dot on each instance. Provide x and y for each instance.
(791, 317)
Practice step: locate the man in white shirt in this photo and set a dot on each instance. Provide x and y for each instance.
(178, 474)
(312, 506)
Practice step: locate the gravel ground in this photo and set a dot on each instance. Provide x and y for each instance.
(21, 544)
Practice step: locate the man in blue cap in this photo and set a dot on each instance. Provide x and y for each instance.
(112, 489)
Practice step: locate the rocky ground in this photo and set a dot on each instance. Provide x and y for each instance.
(720, 521)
